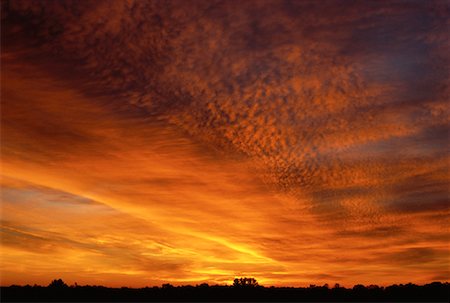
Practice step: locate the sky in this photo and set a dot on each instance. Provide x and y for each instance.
(187, 142)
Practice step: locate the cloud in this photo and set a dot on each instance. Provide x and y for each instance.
(258, 138)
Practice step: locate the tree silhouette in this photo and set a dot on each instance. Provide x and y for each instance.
(58, 283)
(244, 290)
(245, 282)
(167, 286)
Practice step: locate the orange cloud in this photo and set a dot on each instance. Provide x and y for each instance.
(290, 141)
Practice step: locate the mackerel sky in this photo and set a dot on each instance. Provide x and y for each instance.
(297, 142)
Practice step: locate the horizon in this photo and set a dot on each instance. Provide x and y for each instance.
(326, 285)
(244, 289)
(187, 142)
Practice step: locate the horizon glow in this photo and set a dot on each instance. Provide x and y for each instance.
(189, 142)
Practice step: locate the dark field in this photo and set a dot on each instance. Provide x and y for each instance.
(433, 292)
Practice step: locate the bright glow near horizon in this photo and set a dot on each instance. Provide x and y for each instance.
(174, 142)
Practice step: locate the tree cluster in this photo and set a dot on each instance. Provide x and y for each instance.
(243, 289)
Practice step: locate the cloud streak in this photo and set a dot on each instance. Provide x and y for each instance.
(255, 139)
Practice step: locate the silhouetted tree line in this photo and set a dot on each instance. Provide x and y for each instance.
(243, 289)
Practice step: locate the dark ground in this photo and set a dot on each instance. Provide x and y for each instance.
(433, 292)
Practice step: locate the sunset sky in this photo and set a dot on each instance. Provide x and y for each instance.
(183, 142)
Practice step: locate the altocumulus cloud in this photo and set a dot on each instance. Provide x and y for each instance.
(278, 130)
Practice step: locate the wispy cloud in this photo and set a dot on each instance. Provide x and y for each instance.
(198, 140)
